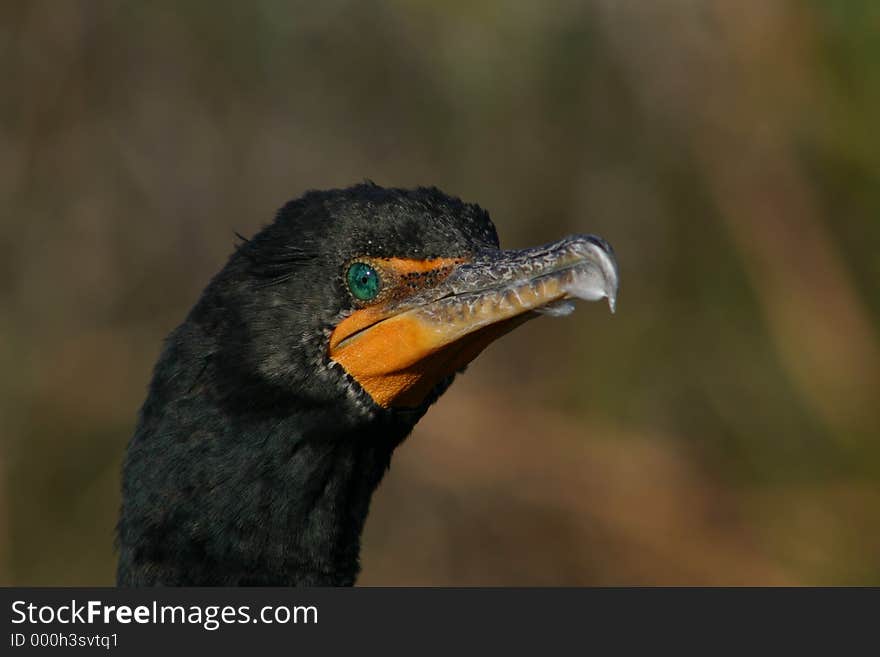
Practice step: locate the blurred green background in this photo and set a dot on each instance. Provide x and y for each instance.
(722, 428)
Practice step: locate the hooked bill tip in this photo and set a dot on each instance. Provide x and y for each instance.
(595, 277)
(608, 265)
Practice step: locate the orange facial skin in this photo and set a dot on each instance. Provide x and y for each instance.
(398, 359)
(432, 317)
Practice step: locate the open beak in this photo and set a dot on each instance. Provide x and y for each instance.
(399, 350)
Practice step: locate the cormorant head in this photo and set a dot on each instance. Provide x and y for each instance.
(275, 407)
(374, 298)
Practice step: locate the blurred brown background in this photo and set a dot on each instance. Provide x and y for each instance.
(722, 428)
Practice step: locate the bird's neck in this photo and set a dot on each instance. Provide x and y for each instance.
(214, 495)
(303, 517)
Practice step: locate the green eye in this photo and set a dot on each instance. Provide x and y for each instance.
(363, 281)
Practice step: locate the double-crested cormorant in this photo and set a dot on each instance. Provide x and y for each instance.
(275, 407)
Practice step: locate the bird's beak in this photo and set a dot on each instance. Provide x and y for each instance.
(400, 349)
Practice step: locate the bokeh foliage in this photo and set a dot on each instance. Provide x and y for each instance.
(723, 427)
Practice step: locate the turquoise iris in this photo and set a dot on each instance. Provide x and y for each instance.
(363, 281)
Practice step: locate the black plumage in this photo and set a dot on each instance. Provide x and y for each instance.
(254, 458)
(275, 407)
